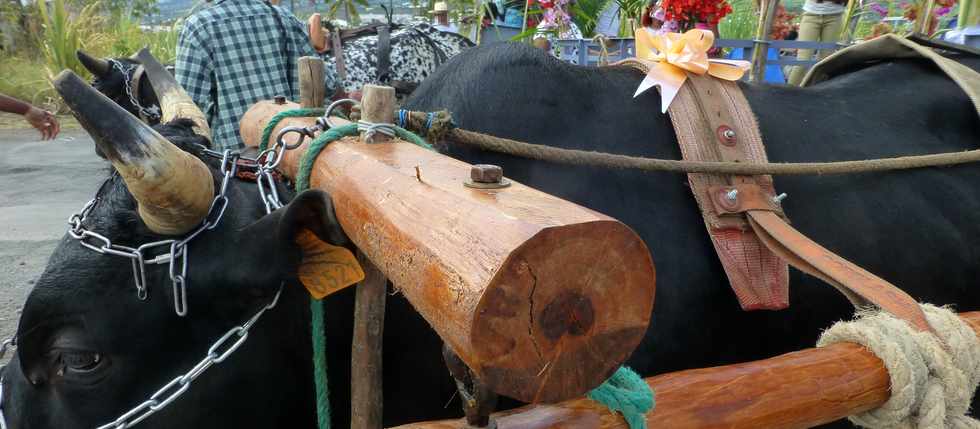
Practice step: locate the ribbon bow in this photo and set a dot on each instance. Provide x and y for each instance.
(672, 55)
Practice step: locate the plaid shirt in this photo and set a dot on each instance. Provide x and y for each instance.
(235, 53)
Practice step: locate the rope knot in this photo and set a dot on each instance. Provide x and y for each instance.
(627, 393)
(370, 129)
(932, 379)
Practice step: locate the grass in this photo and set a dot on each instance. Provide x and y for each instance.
(64, 26)
(25, 78)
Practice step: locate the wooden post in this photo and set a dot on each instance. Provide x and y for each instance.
(760, 52)
(543, 299)
(369, 312)
(312, 90)
(378, 106)
(796, 390)
(365, 367)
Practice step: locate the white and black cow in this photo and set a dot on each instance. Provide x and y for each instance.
(417, 50)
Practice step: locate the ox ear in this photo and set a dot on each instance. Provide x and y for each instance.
(308, 228)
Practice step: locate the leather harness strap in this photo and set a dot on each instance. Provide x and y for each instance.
(708, 130)
(384, 54)
(735, 200)
(338, 55)
(858, 285)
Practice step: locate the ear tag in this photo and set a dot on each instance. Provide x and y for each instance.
(326, 268)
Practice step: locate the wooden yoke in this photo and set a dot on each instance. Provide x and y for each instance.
(543, 299)
(796, 390)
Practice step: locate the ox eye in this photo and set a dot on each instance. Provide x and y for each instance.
(80, 361)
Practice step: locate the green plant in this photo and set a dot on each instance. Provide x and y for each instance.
(63, 34)
(629, 15)
(349, 7)
(741, 23)
(585, 14)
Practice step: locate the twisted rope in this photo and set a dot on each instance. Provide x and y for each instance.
(442, 128)
(932, 379)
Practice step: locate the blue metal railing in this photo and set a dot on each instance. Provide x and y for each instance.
(590, 53)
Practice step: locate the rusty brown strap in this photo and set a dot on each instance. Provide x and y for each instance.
(711, 125)
(858, 285)
(722, 107)
(338, 54)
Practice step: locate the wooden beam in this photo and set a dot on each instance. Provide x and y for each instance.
(312, 90)
(543, 299)
(760, 50)
(366, 364)
(796, 390)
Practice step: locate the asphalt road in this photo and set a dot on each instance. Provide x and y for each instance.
(41, 185)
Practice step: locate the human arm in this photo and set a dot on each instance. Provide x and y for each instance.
(42, 120)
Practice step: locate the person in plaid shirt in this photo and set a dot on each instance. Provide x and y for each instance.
(235, 53)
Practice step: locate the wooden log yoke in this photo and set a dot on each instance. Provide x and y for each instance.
(801, 389)
(543, 299)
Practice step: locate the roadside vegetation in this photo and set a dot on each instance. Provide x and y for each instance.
(40, 39)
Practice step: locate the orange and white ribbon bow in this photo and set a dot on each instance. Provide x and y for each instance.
(671, 56)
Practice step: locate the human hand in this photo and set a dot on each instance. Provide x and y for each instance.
(44, 121)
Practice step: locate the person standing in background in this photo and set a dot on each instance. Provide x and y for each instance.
(235, 53)
(821, 22)
(43, 120)
(440, 11)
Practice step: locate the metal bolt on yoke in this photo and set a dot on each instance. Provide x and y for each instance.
(486, 176)
(486, 173)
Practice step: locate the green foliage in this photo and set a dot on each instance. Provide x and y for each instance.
(585, 14)
(349, 7)
(630, 11)
(24, 79)
(63, 34)
(55, 29)
(741, 22)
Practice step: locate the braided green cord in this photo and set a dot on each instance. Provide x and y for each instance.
(316, 307)
(627, 393)
(278, 117)
(320, 364)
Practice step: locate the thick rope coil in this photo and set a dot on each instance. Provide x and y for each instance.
(932, 384)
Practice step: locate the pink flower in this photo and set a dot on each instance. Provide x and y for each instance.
(942, 11)
(880, 9)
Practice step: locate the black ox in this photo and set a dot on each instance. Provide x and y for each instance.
(89, 350)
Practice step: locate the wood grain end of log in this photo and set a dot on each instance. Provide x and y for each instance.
(574, 332)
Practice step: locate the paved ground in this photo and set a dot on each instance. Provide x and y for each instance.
(41, 184)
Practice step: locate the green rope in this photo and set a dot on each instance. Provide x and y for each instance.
(278, 117)
(627, 393)
(320, 364)
(303, 172)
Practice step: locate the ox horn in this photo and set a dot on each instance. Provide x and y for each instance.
(174, 101)
(173, 189)
(98, 66)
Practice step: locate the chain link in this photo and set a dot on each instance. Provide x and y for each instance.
(219, 351)
(176, 256)
(152, 112)
(227, 344)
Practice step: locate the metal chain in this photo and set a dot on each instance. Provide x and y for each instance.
(219, 351)
(152, 112)
(228, 343)
(177, 250)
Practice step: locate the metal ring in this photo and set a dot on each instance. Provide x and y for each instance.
(334, 105)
